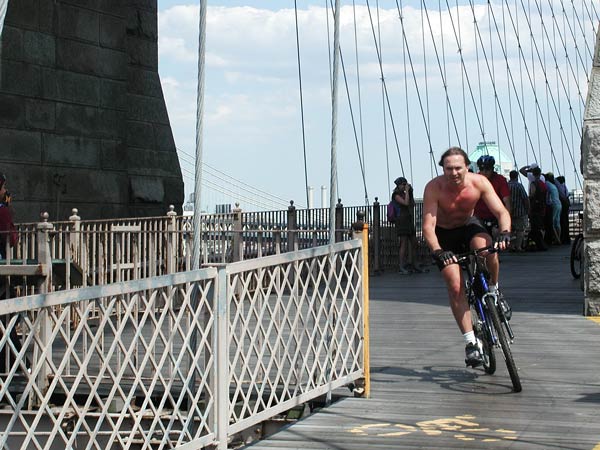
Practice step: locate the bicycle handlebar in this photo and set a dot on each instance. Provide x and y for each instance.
(462, 257)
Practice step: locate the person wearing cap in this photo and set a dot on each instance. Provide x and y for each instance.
(554, 211)
(8, 238)
(563, 193)
(519, 202)
(527, 171)
(405, 226)
(8, 233)
(449, 227)
(537, 209)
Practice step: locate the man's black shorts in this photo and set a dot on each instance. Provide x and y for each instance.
(458, 240)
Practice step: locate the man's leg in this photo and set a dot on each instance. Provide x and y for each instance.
(493, 264)
(456, 294)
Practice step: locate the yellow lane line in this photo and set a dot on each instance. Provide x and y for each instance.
(597, 447)
(597, 320)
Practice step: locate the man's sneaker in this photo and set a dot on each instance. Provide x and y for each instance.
(473, 355)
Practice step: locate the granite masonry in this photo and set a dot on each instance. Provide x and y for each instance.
(83, 121)
(590, 162)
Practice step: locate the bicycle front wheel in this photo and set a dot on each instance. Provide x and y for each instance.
(576, 256)
(508, 357)
(482, 333)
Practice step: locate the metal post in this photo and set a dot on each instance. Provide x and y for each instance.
(339, 221)
(292, 228)
(376, 242)
(221, 381)
(238, 238)
(172, 240)
(44, 286)
(360, 230)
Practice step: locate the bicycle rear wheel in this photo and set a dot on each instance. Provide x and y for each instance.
(483, 335)
(504, 344)
(576, 256)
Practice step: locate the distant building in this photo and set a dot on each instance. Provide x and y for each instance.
(224, 208)
(504, 163)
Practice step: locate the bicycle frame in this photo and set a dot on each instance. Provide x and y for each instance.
(490, 324)
(478, 275)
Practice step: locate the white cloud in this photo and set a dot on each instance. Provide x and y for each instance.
(252, 93)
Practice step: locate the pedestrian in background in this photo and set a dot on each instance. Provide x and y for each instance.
(8, 239)
(554, 202)
(8, 233)
(563, 192)
(519, 202)
(405, 226)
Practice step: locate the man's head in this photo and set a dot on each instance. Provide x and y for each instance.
(486, 164)
(513, 174)
(549, 177)
(454, 151)
(456, 165)
(536, 171)
(560, 179)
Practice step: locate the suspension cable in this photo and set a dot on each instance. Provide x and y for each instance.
(301, 102)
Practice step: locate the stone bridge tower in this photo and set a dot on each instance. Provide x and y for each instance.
(83, 121)
(590, 162)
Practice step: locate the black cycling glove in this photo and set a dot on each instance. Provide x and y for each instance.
(503, 236)
(444, 256)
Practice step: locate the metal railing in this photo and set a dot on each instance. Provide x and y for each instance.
(90, 253)
(183, 360)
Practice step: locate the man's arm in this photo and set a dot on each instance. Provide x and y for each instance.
(401, 200)
(523, 170)
(430, 207)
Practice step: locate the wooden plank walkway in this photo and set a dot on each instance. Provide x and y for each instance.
(424, 398)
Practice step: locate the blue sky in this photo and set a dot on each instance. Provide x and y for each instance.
(252, 128)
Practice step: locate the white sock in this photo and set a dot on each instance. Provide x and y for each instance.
(470, 337)
(494, 287)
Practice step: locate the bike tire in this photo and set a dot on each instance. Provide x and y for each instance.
(482, 333)
(504, 344)
(576, 256)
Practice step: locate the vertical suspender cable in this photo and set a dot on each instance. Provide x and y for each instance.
(301, 103)
(199, 129)
(408, 133)
(3, 8)
(380, 55)
(328, 43)
(333, 178)
(198, 186)
(462, 72)
(423, 7)
(360, 118)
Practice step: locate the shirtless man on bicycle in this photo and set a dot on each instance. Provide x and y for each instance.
(449, 227)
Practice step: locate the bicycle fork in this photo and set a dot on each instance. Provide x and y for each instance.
(494, 298)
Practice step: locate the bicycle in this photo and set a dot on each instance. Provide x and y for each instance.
(490, 323)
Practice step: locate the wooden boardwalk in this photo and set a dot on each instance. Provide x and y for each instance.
(424, 398)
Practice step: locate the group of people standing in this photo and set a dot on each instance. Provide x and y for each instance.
(548, 208)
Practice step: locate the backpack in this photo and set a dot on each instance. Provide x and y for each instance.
(393, 211)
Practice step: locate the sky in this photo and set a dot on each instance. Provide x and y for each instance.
(253, 146)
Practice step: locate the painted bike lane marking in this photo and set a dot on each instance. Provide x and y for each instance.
(463, 428)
